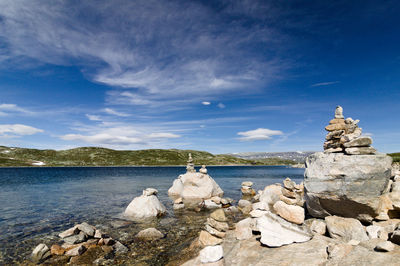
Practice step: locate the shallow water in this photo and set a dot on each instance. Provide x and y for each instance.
(38, 203)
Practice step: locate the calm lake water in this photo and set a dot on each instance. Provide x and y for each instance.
(38, 203)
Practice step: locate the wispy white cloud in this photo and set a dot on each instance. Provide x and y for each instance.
(205, 103)
(14, 130)
(325, 83)
(93, 117)
(161, 50)
(114, 112)
(7, 109)
(258, 134)
(221, 105)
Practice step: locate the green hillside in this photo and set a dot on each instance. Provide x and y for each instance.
(395, 156)
(92, 156)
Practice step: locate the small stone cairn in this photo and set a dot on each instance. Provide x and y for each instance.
(345, 136)
(76, 241)
(247, 190)
(211, 238)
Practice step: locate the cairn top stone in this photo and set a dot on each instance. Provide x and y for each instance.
(339, 112)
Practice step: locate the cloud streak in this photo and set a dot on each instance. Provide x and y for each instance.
(325, 83)
(259, 134)
(15, 130)
(160, 50)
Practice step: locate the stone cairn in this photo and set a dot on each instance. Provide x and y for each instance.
(190, 165)
(345, 136)
(76, 241)
(211, 238)
(247, 189)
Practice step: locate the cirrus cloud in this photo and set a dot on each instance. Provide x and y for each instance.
(15, 130)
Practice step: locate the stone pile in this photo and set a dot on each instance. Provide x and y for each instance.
(210, 240)
(145, 206)
(345, 136)
(193, 188)
(75, 242)
(247, 190)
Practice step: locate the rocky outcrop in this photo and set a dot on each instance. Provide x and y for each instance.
(349, 186)
(194, 187)
(145, 206)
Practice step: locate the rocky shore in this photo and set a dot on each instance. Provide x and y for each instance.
(345, 212)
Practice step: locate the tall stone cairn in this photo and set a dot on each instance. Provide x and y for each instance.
(344, 136)
(190, 165)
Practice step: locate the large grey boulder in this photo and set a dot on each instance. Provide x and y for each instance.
(348, 186)
(276, 231)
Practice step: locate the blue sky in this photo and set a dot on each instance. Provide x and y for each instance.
(220, 76)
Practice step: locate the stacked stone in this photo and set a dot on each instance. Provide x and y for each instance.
(77, 240)
(292, 193)
(247, 190)
(345, 136)
(190, 165)
(211, 238)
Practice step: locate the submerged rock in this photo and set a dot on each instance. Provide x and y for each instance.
(40, 253)
(145, 206)
(149, 234)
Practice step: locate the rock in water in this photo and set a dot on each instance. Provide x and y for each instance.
(276, 231)
(194, 186)
(145, 206)
(345, 228)
(348, 186)
(149, 234)
(40, 253)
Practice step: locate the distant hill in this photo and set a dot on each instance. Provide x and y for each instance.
(395, 156)
(92, 156)
(297, 156)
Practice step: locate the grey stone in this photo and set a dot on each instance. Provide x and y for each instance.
(339, 112)
(348, 186)
(86, 228)
(318, 227)
(69, 232)
(345, 229)
(214, 231)
(276, 231)
(119, 248)
(360, 150)
(220, 226)
(75, 239)
(359, 142)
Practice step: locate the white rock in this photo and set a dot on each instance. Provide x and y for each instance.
(374, 231)
(261, 206)
(243, 203)
(194, 185)
(244, 229)
(385, 246)
(247, 184)
(145, 207)
(270, 195)
(257, 213)
(209, 204)
(211, 254)
(276, 231)
(69, 232)
(150, 191)
(178, 206)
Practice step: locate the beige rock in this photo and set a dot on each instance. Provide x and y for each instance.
(375, 231)
(385, 246)
(270, 195)
(178, 201)
(257, 213)
(149, 234)
(247, 183)
(289, 201)
(214, 231)
(359, 142)
(318, 227)
(206, 239)
(218, 215)
(291, 213)
(339, 112)
(57, 250)
(345, 228)
(339, 250)
(244, 229)
(79, 250)
(69, 232)
(335, 127)
(216, 199)
(360, 150)
(337, 121)
(220, 226)
(40, 253)
(333, 150)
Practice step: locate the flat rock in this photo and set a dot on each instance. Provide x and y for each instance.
(206, 239)
(335, 127)
(57, 250)
(247, 183)
(385, 246)
(79, 250)
(86, 228)
(178, 206)
(359, 142)
(220, 226)
(276, 231)
(347, 186)
(75, 239)
(69, 232)
(149, 234)
(218, 215)
(345, 229)
(214, 231)
(211, 254)
(360, 150)
(209, 204)
(291, 213)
